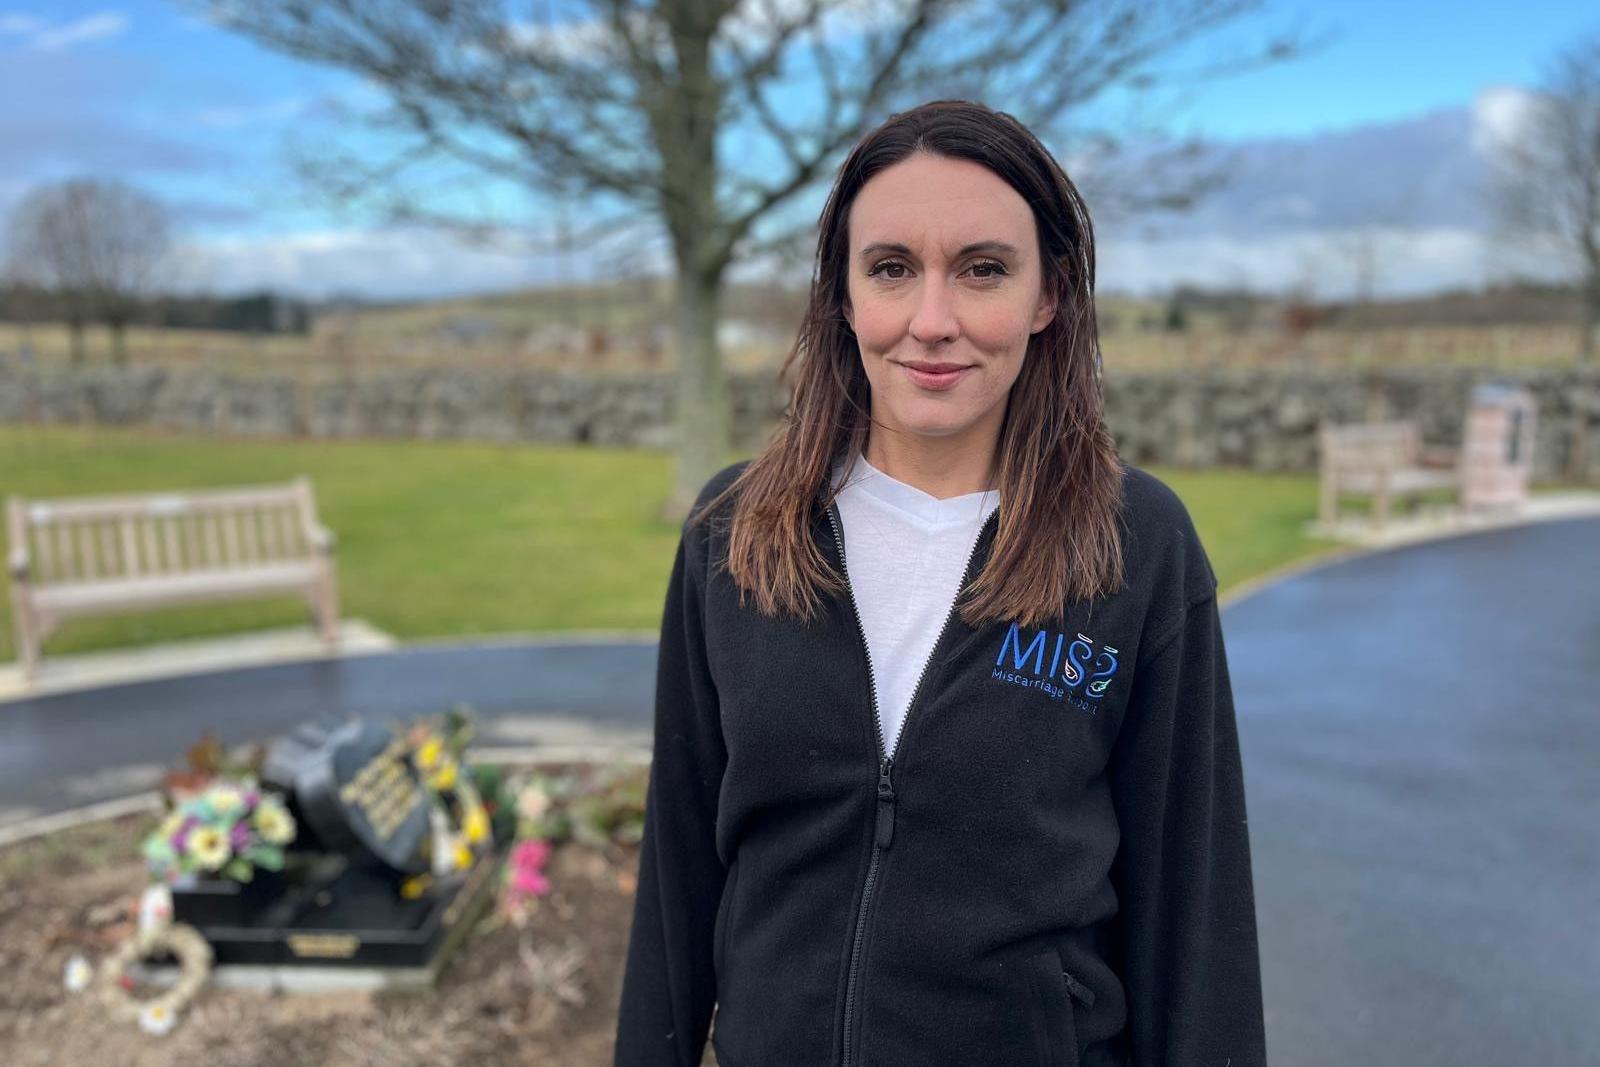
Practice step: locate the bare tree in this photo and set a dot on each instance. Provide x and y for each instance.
(1547, 185)
(99, 244)
(628, 105)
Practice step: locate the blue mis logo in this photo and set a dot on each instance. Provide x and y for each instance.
(1079, 672)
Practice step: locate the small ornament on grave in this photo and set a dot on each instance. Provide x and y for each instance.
(159, 1014)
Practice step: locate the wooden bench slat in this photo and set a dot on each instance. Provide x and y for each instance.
(93, 597)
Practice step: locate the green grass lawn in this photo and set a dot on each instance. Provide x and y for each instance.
(445, 538)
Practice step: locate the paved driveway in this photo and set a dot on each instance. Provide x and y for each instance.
(1421, 736)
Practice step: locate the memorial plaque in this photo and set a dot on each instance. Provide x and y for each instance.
(356, 789)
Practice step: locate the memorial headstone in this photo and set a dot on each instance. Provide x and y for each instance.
(365, 827)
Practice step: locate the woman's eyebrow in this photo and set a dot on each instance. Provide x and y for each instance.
(966, 250)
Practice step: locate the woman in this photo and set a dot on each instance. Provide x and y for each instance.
(887, 825)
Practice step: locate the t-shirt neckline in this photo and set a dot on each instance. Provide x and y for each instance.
(924, 507)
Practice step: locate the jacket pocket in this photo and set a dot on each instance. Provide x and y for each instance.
(719, 932)
(1051, 993)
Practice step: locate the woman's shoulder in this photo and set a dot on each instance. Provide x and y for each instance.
(1161, 540)
(718, 482)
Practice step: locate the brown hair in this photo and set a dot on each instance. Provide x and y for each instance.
(1060, 478)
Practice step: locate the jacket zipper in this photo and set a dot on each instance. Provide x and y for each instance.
(883, 831)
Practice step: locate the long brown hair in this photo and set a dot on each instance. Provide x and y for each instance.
(1060, 478)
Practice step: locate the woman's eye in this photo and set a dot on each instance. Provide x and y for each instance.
(885, 267)
(988, 269)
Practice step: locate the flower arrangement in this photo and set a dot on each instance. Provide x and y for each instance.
(206, 760)
(462, 825)
(228, 829)
(595, 806)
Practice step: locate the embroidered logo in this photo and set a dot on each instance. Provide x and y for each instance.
(1080, 669)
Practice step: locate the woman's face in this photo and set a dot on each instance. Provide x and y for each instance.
(945, 288)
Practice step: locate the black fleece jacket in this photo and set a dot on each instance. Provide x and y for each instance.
(1052, 869)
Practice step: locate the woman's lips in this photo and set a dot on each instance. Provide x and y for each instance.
(935, 380)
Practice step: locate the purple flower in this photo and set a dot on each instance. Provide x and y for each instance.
(239, 836)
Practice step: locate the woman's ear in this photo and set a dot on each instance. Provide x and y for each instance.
(1044, 312)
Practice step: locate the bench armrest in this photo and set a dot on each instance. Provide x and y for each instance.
(322, 539)
(17, 564)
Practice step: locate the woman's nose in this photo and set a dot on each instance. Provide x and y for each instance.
(935, 318)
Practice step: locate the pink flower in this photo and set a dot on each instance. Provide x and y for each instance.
(530, 854)
(530, 882)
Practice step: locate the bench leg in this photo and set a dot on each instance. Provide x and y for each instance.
(327, 604)
(1329, 509)
(29, 639)
(29, 634)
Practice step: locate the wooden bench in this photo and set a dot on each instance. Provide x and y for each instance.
(77, 556)
(1383, 459)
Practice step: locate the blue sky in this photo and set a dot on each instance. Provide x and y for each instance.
(206, 120)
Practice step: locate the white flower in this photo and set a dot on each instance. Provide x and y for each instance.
(209, 846)
(79, 974)
(224, 799)
(532, 802)
(275, 823)
(156, 1018)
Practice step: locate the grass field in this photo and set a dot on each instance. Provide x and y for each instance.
(447, 538)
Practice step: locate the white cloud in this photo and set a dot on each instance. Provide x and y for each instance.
(1409, 261)
(12, 22)
(230, 117)
(41, 36)
(1499, 115)
(374, 263)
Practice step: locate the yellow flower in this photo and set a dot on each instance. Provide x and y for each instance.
(463, 856)
(209, 846)
(412, 888)
(275, 823)
(476, 824)
(428, 753)
(445, 777)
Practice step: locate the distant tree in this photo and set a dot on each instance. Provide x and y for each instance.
(627, 107)
(99, 244)
(1176, 319)
(1547, 186)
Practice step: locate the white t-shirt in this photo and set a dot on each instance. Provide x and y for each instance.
(905, 553)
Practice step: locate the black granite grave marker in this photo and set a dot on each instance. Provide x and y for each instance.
(363, 828)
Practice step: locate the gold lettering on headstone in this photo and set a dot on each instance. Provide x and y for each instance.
(324, 946)
(383, 790)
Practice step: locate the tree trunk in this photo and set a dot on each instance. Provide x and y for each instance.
(703, 431)
(119, 342)
(75, 340)
(1590, 321)
(685, 126)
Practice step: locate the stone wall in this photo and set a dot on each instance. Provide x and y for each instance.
(1261, 419)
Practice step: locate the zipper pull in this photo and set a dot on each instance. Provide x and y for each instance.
(885, 830)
